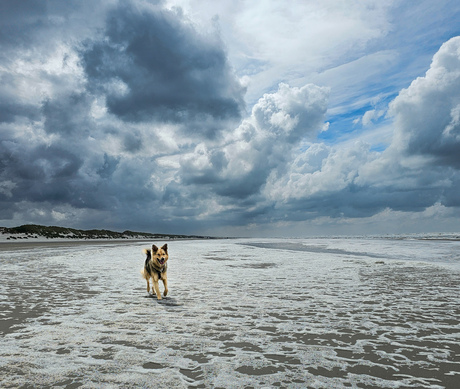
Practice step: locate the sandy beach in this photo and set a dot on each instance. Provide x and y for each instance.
(318, 313)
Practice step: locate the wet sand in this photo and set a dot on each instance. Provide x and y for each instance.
(32, 244)
(317, 315)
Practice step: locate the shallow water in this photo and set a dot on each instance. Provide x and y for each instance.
(316, 313)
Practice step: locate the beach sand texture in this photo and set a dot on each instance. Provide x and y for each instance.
(312, 313)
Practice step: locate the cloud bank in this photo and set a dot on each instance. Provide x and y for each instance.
(139, 121)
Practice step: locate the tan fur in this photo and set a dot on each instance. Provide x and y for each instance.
(155, 268)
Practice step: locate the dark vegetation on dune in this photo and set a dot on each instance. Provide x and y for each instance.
(51, 232)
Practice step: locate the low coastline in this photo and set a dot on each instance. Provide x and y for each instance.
(31, 236)
(27, 244)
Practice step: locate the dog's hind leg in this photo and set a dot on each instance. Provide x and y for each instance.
(146, 276)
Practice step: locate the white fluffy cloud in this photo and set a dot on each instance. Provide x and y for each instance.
(426, 114)
(418, 170)
(321, 170)
(264, 143)
(371, 115)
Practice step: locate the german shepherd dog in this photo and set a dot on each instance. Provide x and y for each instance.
(155, 267)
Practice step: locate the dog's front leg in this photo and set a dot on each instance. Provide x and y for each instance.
(165, 283)
(148, 286)
(156, 287)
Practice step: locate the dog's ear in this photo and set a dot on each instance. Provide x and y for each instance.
(154, 248)
(165, 248)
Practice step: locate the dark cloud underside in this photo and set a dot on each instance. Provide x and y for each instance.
(155, 65)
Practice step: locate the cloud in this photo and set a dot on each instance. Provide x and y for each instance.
(85, 119)
(137, 120)
(371, 116)
(152, 64)
(261, 145)
(426, 114)
(270, 41)
(67, 115)
(418, 170)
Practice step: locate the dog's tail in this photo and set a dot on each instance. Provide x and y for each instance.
(148, 253)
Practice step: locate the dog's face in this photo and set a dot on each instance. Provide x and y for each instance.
(160, 255)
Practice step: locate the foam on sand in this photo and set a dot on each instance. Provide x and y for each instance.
(313, 313)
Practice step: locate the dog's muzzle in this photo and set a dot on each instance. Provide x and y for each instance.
(161, 260)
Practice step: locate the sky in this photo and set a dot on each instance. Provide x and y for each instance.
(231, 118)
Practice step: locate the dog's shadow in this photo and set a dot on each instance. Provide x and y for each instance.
(166, 301)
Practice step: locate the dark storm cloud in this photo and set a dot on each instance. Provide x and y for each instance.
(31, 34)
(108, 168)
(13, 107)
(155, 65)
(40, 173)
(19, 19)
(66, 175)
(10, 111)
(451, 196)
(35, 25)
(67, 115)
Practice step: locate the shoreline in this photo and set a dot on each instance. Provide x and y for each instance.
(52, 243)
(29, 244)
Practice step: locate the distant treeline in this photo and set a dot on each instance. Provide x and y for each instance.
(34, 231)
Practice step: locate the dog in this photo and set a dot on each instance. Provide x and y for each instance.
(155, 267)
